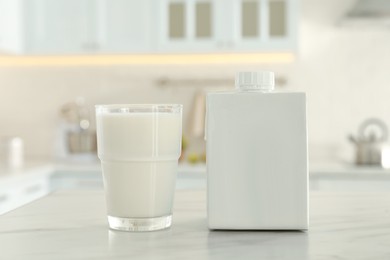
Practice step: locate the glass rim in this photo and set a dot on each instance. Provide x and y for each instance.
(139, 108)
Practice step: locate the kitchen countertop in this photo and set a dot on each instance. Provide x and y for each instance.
(72, 225)
(316, 169)
(345, 169)
(34, 180)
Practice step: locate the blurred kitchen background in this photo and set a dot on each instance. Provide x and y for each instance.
(60, 57)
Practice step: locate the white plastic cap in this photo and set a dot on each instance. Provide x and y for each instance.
(261, 80)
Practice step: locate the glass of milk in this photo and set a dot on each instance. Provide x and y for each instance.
(139, 147)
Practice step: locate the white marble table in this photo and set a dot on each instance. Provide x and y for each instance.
(72, 225)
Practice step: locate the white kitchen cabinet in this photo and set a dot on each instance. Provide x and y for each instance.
(63, 26)
(20, 191)
(228, 25)
(77, 26)
(188, 25)
(265, 24)
(129, 26)
(11, 27)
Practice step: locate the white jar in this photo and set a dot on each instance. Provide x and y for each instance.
(13, 151)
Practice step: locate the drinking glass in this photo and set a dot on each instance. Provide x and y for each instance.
(139, 147)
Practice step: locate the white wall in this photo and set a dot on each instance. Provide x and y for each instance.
(345, 73)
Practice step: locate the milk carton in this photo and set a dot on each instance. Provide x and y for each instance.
(257, 170)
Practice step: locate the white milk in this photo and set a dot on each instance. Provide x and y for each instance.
(139, 154)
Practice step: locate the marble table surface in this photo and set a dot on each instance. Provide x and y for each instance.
(72, 225)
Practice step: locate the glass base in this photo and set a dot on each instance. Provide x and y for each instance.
(139, 224)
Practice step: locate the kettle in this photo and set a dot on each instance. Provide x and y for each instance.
(371, 142)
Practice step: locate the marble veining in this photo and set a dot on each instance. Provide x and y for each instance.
(72, 225)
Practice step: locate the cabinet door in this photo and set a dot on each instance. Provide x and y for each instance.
(264, 25)
(63, 26)
(11, 27)
(188, 25)
(16, 192)
(128, 25)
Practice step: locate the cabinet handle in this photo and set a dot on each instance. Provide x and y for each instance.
(90, 46)
(3, 198)
(230, 44)
(32, 189)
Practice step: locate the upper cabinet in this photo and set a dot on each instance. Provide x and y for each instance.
(129, 26)
(11, 26)
(57, 25)
(228, 25)
(188, 25)
(147, 26)
(265, 24)
(88, 26)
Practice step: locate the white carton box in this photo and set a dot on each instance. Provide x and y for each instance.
(257, 161)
